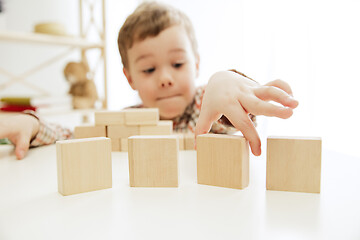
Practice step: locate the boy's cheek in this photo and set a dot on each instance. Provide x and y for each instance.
(147, 94)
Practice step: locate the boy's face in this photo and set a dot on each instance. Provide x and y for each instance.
(163, 70)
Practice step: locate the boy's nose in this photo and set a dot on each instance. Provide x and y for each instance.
(166, 83)
(166, 80)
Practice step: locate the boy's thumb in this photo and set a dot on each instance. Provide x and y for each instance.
(21, 147)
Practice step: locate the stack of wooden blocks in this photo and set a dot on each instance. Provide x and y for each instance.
(119, 125)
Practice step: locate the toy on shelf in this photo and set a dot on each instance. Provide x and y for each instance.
(82, 89)
(53, 28)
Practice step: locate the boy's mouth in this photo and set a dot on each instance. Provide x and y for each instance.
(168, 97)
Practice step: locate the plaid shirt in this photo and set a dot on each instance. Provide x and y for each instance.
(50, 133)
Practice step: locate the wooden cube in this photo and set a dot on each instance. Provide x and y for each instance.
(141, 116)
(115, 144)
(223, 160)
(122, 131)
(161, 128)
(83, 165)
(124, 145)
(109, 118)
(153, 161)
(189, 141)
(181, 140)
(89, 131)
(293, 164)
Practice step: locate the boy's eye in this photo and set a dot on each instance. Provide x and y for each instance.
(177, 65)
(149, 70)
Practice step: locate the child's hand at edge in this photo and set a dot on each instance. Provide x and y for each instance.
(235, 96)
(19, 129)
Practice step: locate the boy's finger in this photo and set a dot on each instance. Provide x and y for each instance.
(282, 85)
(259, 107)
(22, 146)
(241, 121)
(277, 95)
(205, 121)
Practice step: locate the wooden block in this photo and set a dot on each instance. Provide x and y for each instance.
(153, 161)
(109, 118)
(122, 131)
(89, 131)
(223, 160)
(161, 128)
(180, 136)
(189, 141)
(141, 116)
(124, 145)
(115, 145)
(293, 164)
(83, 165)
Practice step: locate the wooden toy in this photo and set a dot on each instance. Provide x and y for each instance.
(89, 131)
(83, 165)
(122, 131)
(180, 136)
(131, 116)
(124, 145)
(115, 144)
(141, 116)
(293, 164)
(161, 128)
(82, 89)
(153, 161)
(223, 160)
(189, 141)
(109, 118)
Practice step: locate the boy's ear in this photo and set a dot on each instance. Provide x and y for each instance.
(197, 64)
(128, 77)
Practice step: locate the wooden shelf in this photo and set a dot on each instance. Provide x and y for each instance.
(48, 39)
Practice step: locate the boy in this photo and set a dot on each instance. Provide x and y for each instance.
(160, 60)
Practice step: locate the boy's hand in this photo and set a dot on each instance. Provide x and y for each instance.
(235, 96)
(19, 129)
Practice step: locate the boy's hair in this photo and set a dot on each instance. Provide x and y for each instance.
(148, 20)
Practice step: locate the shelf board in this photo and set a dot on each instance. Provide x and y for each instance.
(48, 39)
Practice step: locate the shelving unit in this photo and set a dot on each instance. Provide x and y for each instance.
(49, 39)
(80, 42)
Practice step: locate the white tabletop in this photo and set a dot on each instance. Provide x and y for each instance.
(31, 207)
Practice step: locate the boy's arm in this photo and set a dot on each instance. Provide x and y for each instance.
(236, 96)
(48, 133)
(25, 130)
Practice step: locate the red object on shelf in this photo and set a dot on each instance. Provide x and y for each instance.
(16, 108)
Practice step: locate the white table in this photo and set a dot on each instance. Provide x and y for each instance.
(31, 207)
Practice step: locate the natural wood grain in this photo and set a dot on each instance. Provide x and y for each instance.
(189, 141)
(223, 160)
(293, 164)
(153, 161)
(161, 128)
(115, 144)
(141, 116)
(124, 145)
(109, 118)
(83, 165)
(122, 131)
(89, 131)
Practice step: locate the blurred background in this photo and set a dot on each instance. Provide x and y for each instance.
(313, 45)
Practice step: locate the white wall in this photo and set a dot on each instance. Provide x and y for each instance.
(313, 45)
(22, 15)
